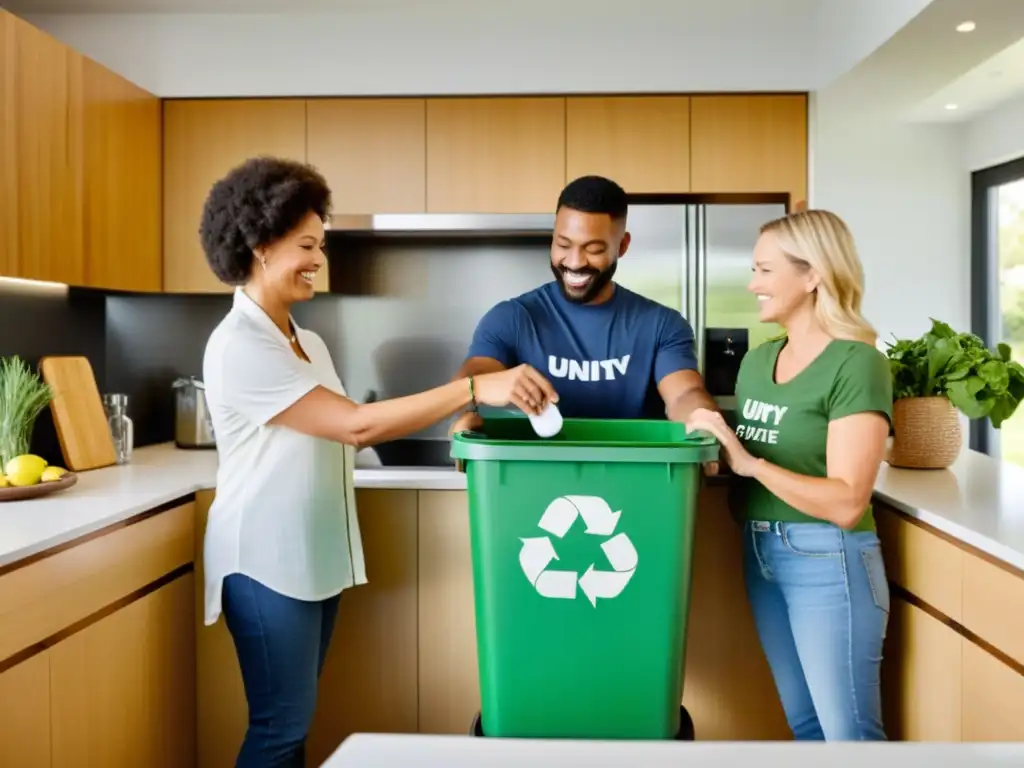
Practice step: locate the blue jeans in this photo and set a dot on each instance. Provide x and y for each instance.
(281, 645)
(820, 601)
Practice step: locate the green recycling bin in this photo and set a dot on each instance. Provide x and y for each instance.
(581, 549)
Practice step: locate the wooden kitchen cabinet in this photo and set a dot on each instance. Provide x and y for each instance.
(641, 142)
(203, 140)
(372, 152)
(25, 713)
(80, 165)
(45, 154)
(123, 151)
(495, 155)
(922, 677)
(993, 697)
(369, 679)
(449, 688)
(8, 168)
(755, 143)
(121, 689)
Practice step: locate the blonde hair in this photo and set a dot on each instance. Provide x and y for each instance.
(821, 241)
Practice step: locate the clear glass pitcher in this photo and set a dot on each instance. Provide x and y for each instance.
(122, 430)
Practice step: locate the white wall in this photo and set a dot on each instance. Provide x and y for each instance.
(905, 194)
(996, 136)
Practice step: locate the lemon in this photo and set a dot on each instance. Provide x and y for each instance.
(52, 473)
(3, 481)
(25, 469)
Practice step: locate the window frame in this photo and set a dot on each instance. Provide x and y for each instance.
(985, 279)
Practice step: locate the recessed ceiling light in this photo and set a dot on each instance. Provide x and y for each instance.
(951, 106)
(966, 26)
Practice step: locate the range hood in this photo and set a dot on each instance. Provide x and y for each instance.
(419, 224)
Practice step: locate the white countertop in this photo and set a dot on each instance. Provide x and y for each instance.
(156, 475)
(979, 501)
(415, 751)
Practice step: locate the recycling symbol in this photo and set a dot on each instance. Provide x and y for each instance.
(538, 552)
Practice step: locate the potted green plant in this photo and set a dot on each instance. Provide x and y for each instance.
(23, 395)
(935, 376)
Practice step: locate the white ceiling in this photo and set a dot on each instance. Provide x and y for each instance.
(989, 84)
(901, 55)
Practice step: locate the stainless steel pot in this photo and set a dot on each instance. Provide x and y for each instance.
(193, 427)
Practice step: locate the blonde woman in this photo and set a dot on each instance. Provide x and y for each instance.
(814, 409)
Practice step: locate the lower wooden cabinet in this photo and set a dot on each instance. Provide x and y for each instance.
(993, 697)
(25, 713)
(449, 688)
(369, 680)
(118, 692)
(922, 677)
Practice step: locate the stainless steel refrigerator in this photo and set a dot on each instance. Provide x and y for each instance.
(697, 258)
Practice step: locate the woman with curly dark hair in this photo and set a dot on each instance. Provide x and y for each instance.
(282, 540)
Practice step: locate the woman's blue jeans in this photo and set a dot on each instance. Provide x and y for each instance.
(281, 644)
(820, 601)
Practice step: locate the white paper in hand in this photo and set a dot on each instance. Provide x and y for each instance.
(548, 422)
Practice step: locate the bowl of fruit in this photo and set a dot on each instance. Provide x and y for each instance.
(23, 395)
(29, 476)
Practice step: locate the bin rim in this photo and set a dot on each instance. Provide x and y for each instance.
(698, 448)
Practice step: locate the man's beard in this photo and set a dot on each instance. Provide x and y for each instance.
(594, 287)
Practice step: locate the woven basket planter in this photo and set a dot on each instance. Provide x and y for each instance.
(927, 433)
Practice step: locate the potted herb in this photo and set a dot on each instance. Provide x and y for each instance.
(935, 376)
(23, 395)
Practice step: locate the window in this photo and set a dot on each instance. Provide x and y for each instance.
(997, 289)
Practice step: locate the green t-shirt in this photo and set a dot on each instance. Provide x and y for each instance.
(787, 424)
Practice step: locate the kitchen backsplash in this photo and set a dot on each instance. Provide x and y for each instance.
(411, 305)
(39, 320)
(402, 326)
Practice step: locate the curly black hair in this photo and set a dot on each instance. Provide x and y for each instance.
(254, 205)
(594, 194)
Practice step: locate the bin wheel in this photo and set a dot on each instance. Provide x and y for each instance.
(685, 733)
(476, 729)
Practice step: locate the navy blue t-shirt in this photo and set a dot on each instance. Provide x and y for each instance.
(604, 360)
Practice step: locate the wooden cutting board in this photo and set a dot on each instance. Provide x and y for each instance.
(78, 415)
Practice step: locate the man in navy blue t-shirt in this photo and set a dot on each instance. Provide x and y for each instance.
(610, 353)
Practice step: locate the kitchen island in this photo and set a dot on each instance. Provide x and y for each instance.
(101, 599)
(385, 751)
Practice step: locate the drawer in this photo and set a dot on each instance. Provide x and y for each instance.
(994, 605)
(993, 697)
(49, 595)
(921, 562)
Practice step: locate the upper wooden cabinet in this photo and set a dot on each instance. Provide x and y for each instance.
(8, 169)
(203, 140)
(488, 155)
(80, 168)
(122, 183)
(641, 142)
(372, 152)
(749, 144)
(45, 153)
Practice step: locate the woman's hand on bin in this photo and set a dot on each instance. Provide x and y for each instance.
(738, 458)
(521, 386)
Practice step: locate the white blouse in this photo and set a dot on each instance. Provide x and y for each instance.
(285, 510)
